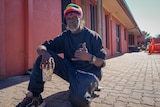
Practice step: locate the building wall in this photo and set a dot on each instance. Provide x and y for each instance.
(113, 34)
(124, 43)
(44, 24)
(24, 24)
(2, 40)
(135, 40)
(87, 13)
(12, 37)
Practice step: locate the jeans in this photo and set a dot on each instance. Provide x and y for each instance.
(82, 84)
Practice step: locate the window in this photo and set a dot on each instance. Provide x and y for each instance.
(107, 33)
(93, 17)
(131, 39)
(64, 4)
(92, 9)
(118, 37)
(125, 36)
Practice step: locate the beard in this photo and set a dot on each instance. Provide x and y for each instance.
(75, 28)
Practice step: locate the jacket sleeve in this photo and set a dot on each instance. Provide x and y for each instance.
(98, 49)
(55, 45)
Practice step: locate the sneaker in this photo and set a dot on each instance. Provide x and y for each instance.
(31, 101)
(99, 88)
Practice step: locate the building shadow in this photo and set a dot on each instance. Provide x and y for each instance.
(10, 81)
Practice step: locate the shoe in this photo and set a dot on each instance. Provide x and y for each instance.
(31, 101)
(99, 88)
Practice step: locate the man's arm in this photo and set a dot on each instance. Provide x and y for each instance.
(83, 54)
(41, 49)
(97, 61)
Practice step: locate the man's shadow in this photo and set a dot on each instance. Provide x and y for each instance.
(60, 99)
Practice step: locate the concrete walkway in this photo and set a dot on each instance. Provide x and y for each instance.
(129, 80)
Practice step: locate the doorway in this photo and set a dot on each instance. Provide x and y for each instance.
(64, 4)
(118, 38)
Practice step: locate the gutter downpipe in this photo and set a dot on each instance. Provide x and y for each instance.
(100, 30)
(83, 8)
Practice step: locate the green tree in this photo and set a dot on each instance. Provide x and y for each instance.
(158, 36)
(146, 34)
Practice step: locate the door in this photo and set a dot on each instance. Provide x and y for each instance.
(118, 38)
(64, 4)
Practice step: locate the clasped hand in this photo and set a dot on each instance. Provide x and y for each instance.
(82, 54)
(47, 61)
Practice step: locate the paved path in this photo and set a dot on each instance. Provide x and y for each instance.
(130, 80)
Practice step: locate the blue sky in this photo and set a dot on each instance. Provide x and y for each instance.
(146, 14)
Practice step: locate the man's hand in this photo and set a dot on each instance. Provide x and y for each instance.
(84, 48)
(49, 64)
(47, 61)
(82, 54)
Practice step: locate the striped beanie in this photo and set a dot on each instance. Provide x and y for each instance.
(73, 8)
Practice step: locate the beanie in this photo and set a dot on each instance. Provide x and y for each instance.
(73, 8)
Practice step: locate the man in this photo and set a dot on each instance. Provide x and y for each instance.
(81, 66)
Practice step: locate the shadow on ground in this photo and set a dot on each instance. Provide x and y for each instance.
(10, 81)
(59, 99)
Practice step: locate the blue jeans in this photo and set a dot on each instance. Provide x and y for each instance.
(82, 84)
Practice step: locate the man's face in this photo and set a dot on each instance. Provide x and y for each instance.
(73, 21)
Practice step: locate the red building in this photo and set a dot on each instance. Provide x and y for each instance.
(24, 24)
